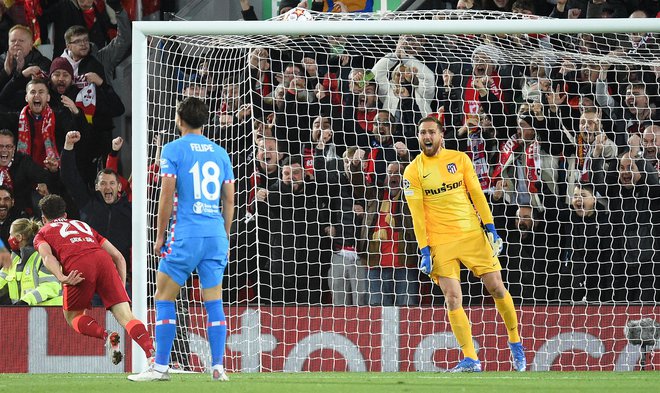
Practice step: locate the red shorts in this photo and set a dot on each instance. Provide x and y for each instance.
(101, 276)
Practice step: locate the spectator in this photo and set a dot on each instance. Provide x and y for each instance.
(21, 62)
(299, 226)
(651, 146)
(262, 80)
(590, 265)
(247, 10)
(384, 149)
(489, 88)
(608, 9)
(63, 93)
(6, 23)
(482, 146)
(634, 194)
(112, 163)
(97, 100)
(348, 212)
(497, 5)
(19, 173)
(525, 7)
(262, 174)
(569, 9)
(321, 154)
(287, 5)
(360, 108)
(527, 161)
(28, 281)
(532, 252)
(294, 98)
(233, 110)
(41, 129)
(406, 86)
(8, 213)
(103, 209)
(640, 111)
(467, 5)
(89, 13)
(392, 253)
(592, 144)
(637, 112)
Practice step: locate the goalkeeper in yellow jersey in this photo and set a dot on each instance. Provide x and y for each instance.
(448, 209)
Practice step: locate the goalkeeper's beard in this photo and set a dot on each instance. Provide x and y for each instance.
(432, 150)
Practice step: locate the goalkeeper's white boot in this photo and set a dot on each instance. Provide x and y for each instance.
(218, 373)
(112, 347)
(467, 365)
(149, 375)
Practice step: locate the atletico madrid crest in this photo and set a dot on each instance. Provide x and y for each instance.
(451, 168)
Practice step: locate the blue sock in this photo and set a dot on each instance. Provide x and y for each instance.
(165, 330)
(216, 330)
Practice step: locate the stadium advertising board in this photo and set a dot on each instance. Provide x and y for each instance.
(343, 339)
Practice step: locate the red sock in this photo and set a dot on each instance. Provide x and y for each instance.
(140, 335)
(86, 325)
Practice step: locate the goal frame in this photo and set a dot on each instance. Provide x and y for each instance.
(139, 140)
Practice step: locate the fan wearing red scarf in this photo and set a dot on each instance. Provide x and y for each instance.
(36, 124)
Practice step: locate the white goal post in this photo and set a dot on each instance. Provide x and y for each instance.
(140, 103)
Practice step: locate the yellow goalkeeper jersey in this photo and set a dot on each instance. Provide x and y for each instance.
(442, 192)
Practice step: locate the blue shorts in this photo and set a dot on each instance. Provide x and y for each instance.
(206, 255)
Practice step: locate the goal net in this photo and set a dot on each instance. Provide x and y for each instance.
(562, 130)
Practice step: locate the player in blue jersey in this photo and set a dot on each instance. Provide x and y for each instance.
(196, 208)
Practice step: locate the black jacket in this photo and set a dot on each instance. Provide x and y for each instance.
(67, 13)
(25, 174)
(112, 221)
(12, 98)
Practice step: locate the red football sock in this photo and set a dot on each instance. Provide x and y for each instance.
(140, 335)
(86, 325)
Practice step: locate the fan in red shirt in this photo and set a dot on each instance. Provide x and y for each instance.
(85, 262)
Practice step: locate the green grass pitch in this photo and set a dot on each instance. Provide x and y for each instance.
(491, 382)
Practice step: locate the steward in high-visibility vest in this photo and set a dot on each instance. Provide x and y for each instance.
(29, 281)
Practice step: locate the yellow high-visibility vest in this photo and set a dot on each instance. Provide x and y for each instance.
(31, 282)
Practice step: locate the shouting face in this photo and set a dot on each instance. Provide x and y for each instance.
(37, 97)
(583, 202)
(430, 138)
(628, 172)
(6, 150)
(109, 187)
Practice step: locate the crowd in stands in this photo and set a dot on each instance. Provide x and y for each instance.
(320, 129)
(56, 129)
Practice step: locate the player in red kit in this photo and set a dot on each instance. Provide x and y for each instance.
(85, 262)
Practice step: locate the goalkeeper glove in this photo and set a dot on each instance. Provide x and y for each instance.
(494, 239)
(425, 263)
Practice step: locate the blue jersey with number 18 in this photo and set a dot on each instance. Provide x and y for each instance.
(200, 167)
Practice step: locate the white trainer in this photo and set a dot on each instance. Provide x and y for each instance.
(219, 374)
(150, 374)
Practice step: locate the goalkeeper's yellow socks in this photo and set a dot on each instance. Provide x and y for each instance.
(460, 325)
(508, 312)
